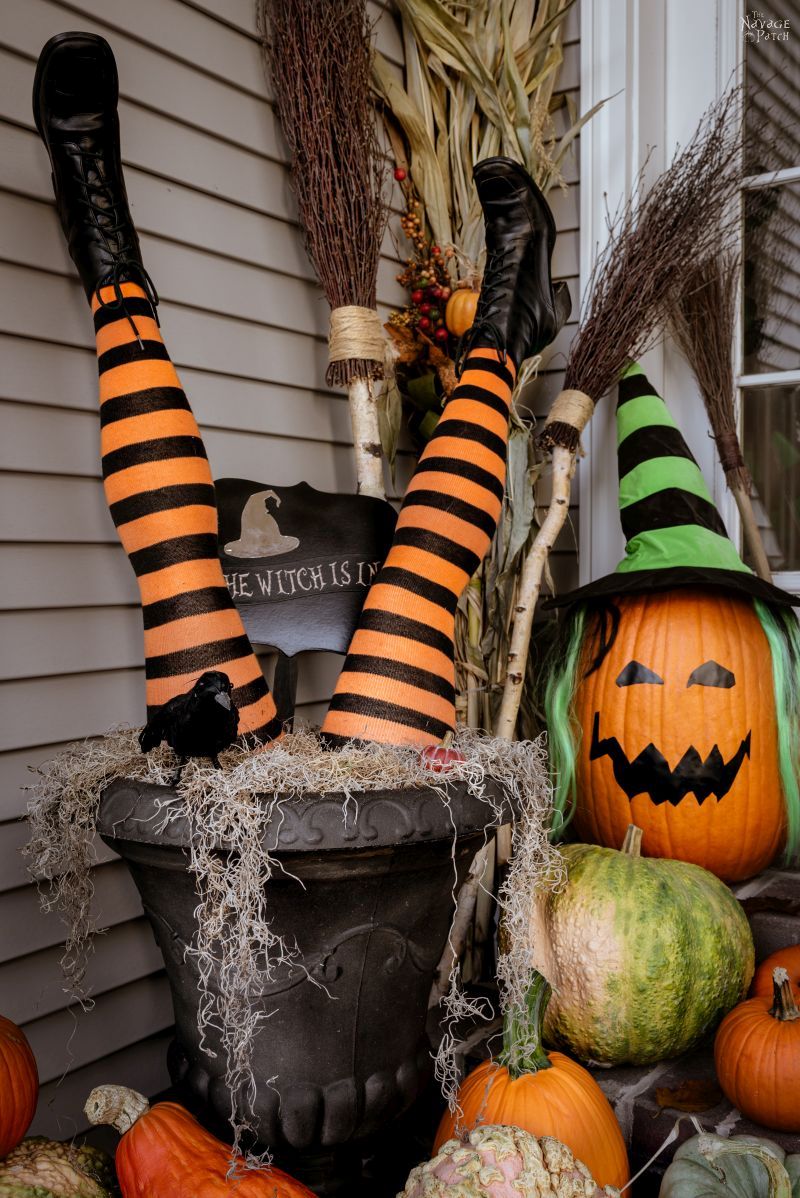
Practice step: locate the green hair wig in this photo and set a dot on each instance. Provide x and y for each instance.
(783, 634)
(782, 631)
(563, 730)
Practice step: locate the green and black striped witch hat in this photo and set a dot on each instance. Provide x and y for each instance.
(674, 533)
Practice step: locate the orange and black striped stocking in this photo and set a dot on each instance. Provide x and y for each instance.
(397, 685)
(161, 497)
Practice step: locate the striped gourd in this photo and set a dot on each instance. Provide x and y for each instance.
(645, 955)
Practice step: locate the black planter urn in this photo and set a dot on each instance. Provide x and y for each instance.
(368, 900)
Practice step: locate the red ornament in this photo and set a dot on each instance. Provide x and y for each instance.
(399, 174)
(441, 333)
(435, 292)
(439, 759)
(417, 296)
(424, 323)
(425, 309)
(435, 250)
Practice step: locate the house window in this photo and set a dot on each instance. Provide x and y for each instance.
(769, 374)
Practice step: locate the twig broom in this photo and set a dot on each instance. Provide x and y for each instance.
(702, 319)
(654, 240)
(318, 54)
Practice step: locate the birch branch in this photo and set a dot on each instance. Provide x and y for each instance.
(530, 586)
(366, 438)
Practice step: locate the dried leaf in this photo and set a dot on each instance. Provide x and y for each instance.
(693, 1095)
(516, 87)
(390, 416)
(405, 344)
(424, 163)
(520, 491)
(574, 130)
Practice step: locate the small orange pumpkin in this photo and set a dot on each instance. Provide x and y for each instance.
(757, 1057)
(459, 314)
(789, 958)
(19, 1085)
(544, 1093)
(680, 733)
(165, 1153)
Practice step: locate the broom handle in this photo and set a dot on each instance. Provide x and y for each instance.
(530, 584)
(752, 535)
(366, 438)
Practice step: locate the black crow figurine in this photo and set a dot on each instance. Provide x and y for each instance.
(200, 723)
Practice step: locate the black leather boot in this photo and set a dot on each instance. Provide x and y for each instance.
(520, 310)
(75, 93)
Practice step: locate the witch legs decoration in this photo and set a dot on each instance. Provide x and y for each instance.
(397, 684)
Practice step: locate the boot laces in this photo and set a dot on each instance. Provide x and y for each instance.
(128, 267)
(125, 268)
(485, 331)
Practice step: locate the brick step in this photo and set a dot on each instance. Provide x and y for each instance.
(772, 903)
(632, 1092)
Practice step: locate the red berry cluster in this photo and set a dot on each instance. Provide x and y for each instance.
(425, 276)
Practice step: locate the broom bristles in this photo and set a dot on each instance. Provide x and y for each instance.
(654, 240)
(702, 319)
(319, 57)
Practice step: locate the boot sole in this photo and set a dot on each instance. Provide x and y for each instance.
(542, 203)
(560, 299)
(45, 57)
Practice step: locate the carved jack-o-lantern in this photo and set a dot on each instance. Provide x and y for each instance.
(674, 705)
(680, 734)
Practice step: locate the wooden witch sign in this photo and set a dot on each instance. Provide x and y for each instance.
(298, 562)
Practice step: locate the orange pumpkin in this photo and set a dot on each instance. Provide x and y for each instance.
(19, 1085)
(757, 1057)
(460, 311)
(544, 1093)
(789, 959)
(165, 1153)
(680, 733)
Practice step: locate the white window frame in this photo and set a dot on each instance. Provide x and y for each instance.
(663, 62)
(788, 579)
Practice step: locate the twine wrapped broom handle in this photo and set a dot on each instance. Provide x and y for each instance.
(571, 412)
(357, 333)
(356, 356)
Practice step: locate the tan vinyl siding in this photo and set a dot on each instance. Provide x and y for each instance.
(565, 203)
(246, 326)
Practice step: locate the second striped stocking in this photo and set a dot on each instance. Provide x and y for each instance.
(397, 683)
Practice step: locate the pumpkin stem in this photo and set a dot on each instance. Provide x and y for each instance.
(632, 844)
(780, 1185)
(783, 1005)
(117, 1106)
(523, 1051)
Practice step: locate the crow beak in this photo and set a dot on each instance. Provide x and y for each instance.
(223, 700)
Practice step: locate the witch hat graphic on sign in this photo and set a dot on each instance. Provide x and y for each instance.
(672, 705)
(298, 562)
(260, 535)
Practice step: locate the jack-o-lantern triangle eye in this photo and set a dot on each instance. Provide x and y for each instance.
(635, 673)
(711, 673)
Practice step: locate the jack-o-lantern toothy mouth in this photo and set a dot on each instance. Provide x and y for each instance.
(649, 773)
